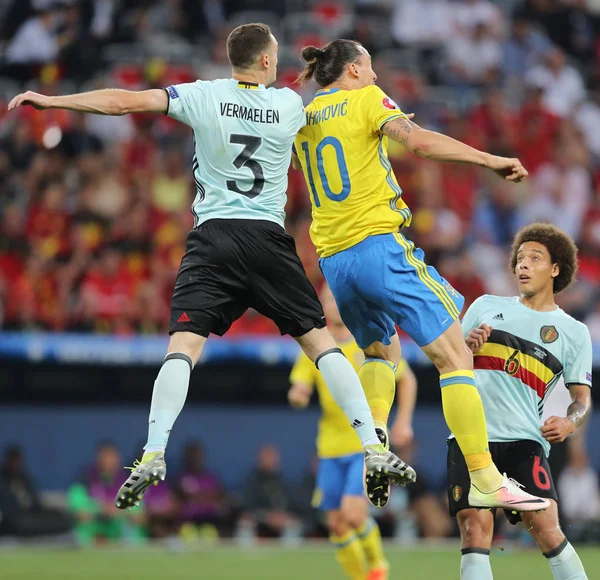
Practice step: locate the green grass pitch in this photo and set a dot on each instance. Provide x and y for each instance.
(264, 563)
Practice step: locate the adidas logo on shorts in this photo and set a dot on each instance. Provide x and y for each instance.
(499, 317)
(356, 424)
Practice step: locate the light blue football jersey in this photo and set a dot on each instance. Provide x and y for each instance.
(243, 136)
(523, 359)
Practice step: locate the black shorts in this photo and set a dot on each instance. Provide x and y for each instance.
(232, 265)
(524, 461)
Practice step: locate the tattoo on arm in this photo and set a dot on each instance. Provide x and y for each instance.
(579, 410)
(398, 130)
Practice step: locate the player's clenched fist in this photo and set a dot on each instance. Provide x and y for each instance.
(478, 337)
(299, 396)
(30, 98)
(510, 169)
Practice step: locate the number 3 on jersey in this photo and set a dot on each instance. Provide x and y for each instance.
(341, 167)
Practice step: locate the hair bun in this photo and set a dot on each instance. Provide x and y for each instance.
(310, 53)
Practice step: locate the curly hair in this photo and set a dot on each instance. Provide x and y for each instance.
(559, 244)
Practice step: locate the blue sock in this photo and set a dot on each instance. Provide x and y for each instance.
(475, 564)
(345, 388)
(168, 398)
(565, 563)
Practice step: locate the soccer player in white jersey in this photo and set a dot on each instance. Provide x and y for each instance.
(238, 255)
(522, 346)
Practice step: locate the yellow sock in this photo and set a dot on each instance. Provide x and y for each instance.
(378, 378)
(370, 538)
(350, 555)
(463, 411)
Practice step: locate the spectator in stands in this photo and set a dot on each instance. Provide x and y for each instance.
(201, 494)
(561, 192)
(474, 57)
(92, 502)
(107, 294)
(421, 22)
(562, 84)
(172, 190)
(579, 494)
(523, 50)
(48, 222)
(493, 121)
(266, 503)
(36, 41)
(587, 119)
(537, 129)
(549, 15)
(592, 321)
(494, 222)
(21, 510)
(217, 66)
(467, 15)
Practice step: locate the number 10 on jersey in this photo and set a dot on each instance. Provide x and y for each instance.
(342, 168)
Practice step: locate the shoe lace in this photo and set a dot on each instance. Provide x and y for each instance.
(514, 486)
(136, 464)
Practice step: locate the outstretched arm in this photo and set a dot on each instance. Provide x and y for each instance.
(438, 147)
(102, 102)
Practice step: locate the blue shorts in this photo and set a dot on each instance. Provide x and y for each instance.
(382, 282)
(337, 477)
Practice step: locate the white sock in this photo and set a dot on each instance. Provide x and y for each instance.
(168, 398)
(565, 563)
(345, 388)
(475, 564)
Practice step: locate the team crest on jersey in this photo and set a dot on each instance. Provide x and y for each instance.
(456, 492)
(548, 334)
(389, 104)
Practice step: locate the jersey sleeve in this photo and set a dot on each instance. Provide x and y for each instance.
(304, 371)
(379, 108)
(472, 318)
(578, 367)
(298, 115)
(401, 369)
(186, 102)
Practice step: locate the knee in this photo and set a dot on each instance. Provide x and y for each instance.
(354, 519)
(187, 343)
(391, 352)
(337, 524)
(475, 531)
(447, 361)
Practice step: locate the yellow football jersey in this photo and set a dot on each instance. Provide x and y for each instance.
(343, 152)
(336, 437)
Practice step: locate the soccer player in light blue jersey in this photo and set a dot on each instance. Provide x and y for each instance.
(522, 347)
(238, 255)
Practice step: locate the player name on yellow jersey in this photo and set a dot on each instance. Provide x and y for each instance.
(343, 152)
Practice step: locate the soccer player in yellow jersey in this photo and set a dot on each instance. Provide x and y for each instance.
(377, 276)
(339, 489)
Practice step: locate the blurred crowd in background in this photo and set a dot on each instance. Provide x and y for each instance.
(193, 505)
(94, 210)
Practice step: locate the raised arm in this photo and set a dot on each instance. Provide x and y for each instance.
(556, 429)
(102, 102)
(438, 147)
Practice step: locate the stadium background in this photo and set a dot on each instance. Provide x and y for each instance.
(94, 212)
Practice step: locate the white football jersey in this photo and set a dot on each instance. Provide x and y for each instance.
(243, 135)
